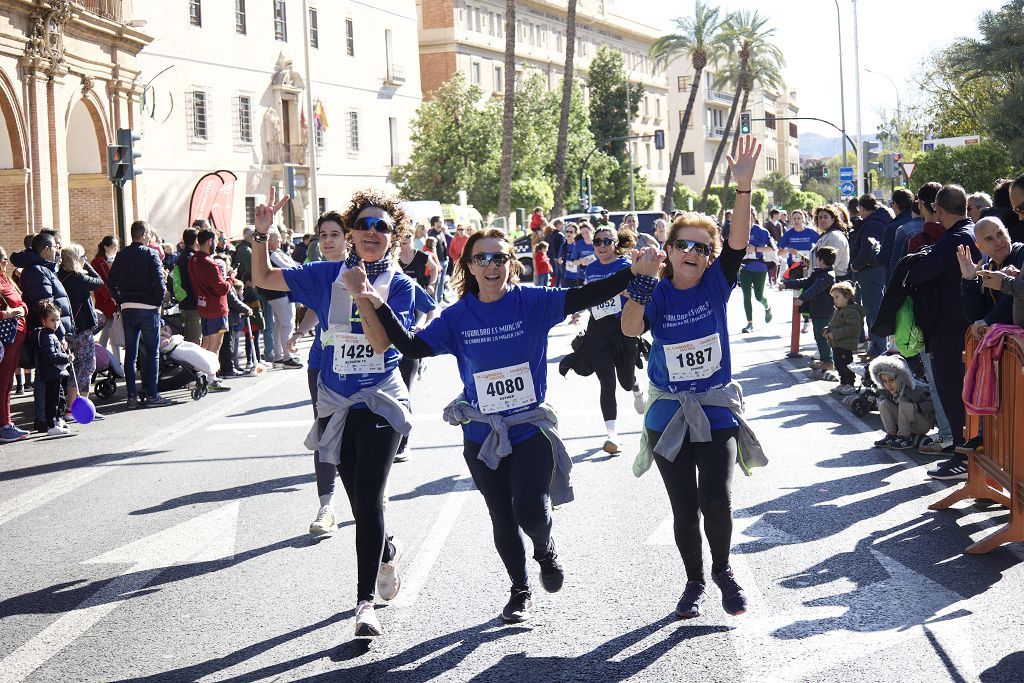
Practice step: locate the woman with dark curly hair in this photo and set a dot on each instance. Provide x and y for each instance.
(362, 403)
(833, 222)
(498, 333)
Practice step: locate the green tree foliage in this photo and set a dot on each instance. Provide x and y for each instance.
(975, 167)
(807, 201)
(779, 186)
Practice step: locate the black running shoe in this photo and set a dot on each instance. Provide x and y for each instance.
(688, 606)
(552, 575)
(954, 469)
(518, 608)
(734, 600)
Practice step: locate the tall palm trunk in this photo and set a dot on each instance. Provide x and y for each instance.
(563, 120)
(508, 114)
(732, 153)
(668, 203)
(721, 148)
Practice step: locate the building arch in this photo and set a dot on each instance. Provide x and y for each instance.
(15, 197)
(90, 193)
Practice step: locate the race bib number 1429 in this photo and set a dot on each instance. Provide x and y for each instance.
(354, 355)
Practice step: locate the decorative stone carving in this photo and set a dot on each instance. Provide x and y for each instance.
(87, 84)
(46, 33)
(275, 133)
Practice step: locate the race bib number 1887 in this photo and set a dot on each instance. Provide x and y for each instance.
(692, 360)
(504, 388)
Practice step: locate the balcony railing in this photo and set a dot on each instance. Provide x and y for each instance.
(115, 10)
(395, 75)
(720, 95)
(281, 153)
(716, 131)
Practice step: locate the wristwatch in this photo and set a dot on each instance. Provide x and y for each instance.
(258, 236)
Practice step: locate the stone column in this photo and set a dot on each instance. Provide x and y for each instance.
(58, 142)
(36, 114)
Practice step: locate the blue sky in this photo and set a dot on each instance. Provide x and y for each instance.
(895, 36)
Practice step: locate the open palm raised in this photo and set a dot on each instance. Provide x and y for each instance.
(743, 166)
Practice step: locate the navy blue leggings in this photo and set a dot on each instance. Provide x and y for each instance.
(517, 498)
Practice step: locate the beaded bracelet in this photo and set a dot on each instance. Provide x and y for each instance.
(259, 237)
(641, 289)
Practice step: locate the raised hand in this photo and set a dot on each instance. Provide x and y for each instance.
(745, 163)
(968, 269)
(355, 280)
(265, 212)
(647, 261)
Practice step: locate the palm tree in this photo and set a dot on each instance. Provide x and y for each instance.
(699, 39)
(749, 36)
(563, 120)
(508, 114)
(765, 71)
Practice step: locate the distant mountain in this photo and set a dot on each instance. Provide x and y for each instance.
(815, 146)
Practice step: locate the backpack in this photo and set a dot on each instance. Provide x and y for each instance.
(908, 336)
(178, 288)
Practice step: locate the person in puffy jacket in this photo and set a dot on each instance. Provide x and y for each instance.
(80, 281)
(52, 361)
(843, 333)
(904, 403)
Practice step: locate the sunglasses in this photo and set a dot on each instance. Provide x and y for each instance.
(1019, 209)
(380, 225)
(497, 258)
(603, 241)
(699, 248)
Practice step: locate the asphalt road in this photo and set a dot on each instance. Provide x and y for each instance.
(170, 544)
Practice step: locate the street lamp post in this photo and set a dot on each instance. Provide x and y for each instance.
(842, 91)
(856, 85)
(897, 90)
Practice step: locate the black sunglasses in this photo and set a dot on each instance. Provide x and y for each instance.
(699, 248)
(380, 225)
(603, 241)
(497, 258)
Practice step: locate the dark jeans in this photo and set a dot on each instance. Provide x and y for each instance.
(55, 401)
(699, 482)
(843, 358)
(144, 325)
(368, 447)
(326, 473)
(946, 349)
(517, 498)
(818, 324)
(872, 286)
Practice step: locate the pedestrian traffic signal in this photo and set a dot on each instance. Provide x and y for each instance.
(116, 165)
(745, 122)
(659, 139)
(824, 172)
(869, 153)
(127, 139)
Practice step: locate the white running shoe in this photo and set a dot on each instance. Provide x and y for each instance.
(58, 430)
(639, 401)
(367, 625)
(389, 581)
(324, 524)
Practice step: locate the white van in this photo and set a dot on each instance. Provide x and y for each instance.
(420, 212)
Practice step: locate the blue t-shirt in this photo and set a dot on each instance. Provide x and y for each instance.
(690, 315)
(759, 237)
(316, 350)
(581, 250)
(599, 271)
(311, 285)
(512, 331)
(801, 240)
(423, 302)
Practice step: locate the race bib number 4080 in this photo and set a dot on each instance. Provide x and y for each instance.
(693, 360)
(354, 355)
(504, 388)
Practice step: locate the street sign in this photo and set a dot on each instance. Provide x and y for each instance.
(845, 173)
(908, 168)
(847, 188)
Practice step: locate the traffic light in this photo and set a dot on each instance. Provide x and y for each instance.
(824, 172)
(116, 164)
(745, 123)
(659, 139)
(888, 167)
(127, 139)
(869, 153)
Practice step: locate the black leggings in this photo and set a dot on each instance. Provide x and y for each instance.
(606, 370)
(517, 498)
(325, 471)
(699, 482)
(368, 447)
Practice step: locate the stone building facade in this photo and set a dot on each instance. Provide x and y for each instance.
(69, 78)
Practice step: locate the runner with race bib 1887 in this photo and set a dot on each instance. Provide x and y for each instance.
(498, 333)
(362, 404)
(604, 350)
(693, 428)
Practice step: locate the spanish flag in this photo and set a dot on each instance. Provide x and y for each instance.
(320, 115)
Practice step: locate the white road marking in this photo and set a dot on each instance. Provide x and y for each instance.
(40, 495)
(232, 426)
(206, 538)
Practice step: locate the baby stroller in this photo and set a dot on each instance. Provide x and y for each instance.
(104, 379)
(866, 398)
(183, 365)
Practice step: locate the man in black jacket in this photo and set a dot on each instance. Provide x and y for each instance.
(137, 285)
(982, 305)
(869, 272)
(39, 282)
(193, 331)
(939, 270)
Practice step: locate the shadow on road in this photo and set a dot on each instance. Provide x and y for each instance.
(271, 409)
(75, 463)
(279, 485)
(438, 487)
(1010, 669)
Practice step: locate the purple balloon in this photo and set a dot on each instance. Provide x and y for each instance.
(83, 410)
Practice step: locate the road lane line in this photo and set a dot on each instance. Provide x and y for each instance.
(232, 426)
(57, 487)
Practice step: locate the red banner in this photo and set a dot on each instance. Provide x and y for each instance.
(204, 196)
(224, 203)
